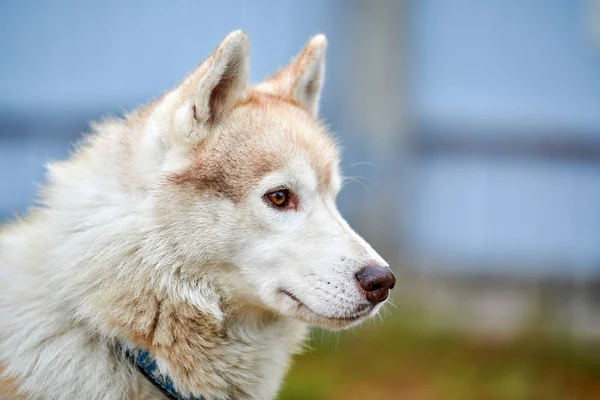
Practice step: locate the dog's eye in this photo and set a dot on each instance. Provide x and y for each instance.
(281, 198)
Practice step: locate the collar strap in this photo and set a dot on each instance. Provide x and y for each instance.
(146, 364)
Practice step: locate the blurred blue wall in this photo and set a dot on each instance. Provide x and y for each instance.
(65, 55)
(523, 76)
(514, 64)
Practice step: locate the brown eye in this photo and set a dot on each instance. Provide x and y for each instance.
(279, 198)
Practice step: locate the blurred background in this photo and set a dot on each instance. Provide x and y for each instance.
(471, 132)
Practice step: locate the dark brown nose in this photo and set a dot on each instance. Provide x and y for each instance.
(376, 281)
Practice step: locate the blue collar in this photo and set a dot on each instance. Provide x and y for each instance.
(147, 366)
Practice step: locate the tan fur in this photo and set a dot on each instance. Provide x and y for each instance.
(155, 234)
(9, 389)
(240, 159)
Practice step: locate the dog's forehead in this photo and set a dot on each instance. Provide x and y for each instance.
(263, 134)
(279, 125)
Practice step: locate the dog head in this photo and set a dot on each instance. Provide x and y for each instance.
(248, 178)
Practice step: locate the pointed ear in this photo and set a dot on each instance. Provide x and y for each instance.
(302, 79)
(212, 90)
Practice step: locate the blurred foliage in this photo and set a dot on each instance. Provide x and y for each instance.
(408, 357)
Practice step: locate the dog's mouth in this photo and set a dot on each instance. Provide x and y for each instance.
(361, 312)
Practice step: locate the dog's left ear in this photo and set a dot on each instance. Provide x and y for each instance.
(302, 79)
(211, 91)
(185, 118)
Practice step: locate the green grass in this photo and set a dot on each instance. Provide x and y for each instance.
(408, 357)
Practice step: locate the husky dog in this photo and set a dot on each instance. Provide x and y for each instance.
(183, 250)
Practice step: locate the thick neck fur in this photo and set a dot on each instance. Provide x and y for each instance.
(95, 267)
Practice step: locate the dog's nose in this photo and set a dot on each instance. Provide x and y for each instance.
(376, 281)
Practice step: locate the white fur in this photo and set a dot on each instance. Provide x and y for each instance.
(112, 233)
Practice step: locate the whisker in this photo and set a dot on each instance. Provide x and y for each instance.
(391, 303)
(363, 163)
(355, 177)
(386, 310)
(357, 180)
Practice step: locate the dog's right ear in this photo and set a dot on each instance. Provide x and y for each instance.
(302, 79)
(184, 118)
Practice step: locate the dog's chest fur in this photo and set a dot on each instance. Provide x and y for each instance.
(219, 360)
